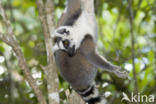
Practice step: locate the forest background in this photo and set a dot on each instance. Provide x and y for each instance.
(127, 37)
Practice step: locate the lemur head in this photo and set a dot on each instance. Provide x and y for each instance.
(68, 39)
(63, 41)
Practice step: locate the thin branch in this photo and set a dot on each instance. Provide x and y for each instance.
(131, 18)
(155, 59)
(8, 64)
(12, 19)
(116, 25)
(155, 67)
(138, 7)
(10, 39)
(154, 9)
(46, 14)
(118, 20)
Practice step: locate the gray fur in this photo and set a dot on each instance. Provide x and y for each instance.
(74, 9)
(77, 70)
(80, 68)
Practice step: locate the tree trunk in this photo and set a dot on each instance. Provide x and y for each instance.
(46, 13)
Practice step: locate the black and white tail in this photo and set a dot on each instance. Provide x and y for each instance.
(91, 95)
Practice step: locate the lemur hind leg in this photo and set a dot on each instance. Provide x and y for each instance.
(88, 50)
(101, 62)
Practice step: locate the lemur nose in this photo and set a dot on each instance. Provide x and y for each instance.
(71, 51)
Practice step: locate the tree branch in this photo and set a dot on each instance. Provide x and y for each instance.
(154, 64)
(155, 68)
(74, 98)
(154, 9)
(46, 14)
(131, 18)
(10, 39)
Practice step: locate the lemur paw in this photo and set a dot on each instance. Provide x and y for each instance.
(121, 74)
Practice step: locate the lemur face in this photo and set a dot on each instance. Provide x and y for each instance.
(63, 41)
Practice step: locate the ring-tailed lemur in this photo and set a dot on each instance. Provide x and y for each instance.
(74, 48)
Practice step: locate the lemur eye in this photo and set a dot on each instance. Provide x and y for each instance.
(66, 43)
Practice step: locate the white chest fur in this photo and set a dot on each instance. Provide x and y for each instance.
(86, 24)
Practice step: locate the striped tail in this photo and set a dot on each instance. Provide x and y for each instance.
(91, 95)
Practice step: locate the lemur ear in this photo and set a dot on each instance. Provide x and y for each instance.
(63, 31)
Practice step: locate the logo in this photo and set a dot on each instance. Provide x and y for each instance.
(137, 98)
